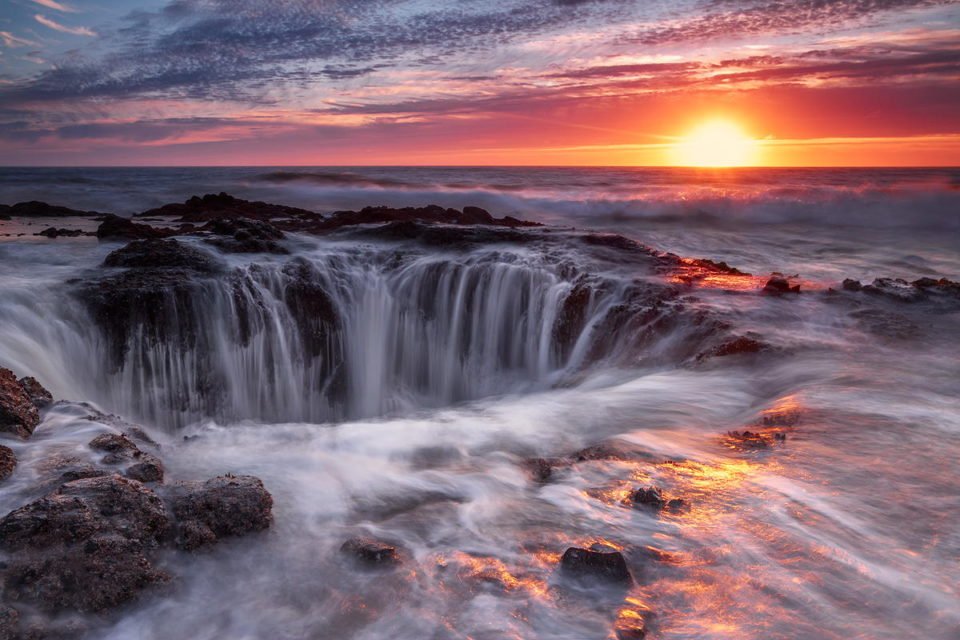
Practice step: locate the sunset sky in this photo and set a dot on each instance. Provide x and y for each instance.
(462, 82)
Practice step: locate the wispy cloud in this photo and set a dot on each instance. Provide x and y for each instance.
(11, 41)
(56, 26)
(56, 6)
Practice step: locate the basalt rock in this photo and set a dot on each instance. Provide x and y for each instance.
(598, 566)
(739, 345)
(371, 552)
(36, 209)
(84, 547)
(114, 227)
(650, 497)
(120, 449)
(8, 462)
(224, 206)
(222, 507)
(428, 214)
(18, 413)
(242, 235)
(53, 232)
(162, 254)
(779, 285)
(40, 397)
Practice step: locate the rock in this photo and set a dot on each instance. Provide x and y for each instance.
(53, 232)
(753, 440)
(117, 444)
(150, 469)
(243, 235)
(735, 346)
(40, 397)
(598, 566)
(778, 285)
(114, 227)
(84, 546)
(36, 209)
(221, 507)
(224, 206)
(82, 471)
(18, 414)
(851, 285)
(371, 552)
(651, 497)
(162, 254)
(8, 462)
(429, 214)
(9, 621)
(541, 469)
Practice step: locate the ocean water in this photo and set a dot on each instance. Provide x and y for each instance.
(455, 378)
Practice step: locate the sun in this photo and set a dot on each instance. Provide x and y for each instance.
(716, 143)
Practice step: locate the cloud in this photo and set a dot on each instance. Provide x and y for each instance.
(56, 26)
(56, 6)
(11, 41)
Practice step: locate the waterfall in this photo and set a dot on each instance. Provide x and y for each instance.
(347, 333)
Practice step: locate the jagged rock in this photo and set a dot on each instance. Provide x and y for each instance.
(540, 469)
(114, 227)
(651, 497)
(243, 235)
(428, 214)
(18, 414)
(40, 397)
(595, 565)
(224, 206)
(116, 444)
(735, 346)
(851, 285)
(84, 546)
(778, 285)
(8, 462)
(149, 469)
(9, 622)
(120, 448)
(221, 507)
(82, 471)
(371, 552)
(36, 209)
(162, 254)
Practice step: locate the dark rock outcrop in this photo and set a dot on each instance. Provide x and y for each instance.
(8, 462)
(39, 396)
(120, 449)
(221, 507)
(429, 214)
(242, 235)
(114, 227)
(739, 345)
(778, 284)
(18, 413)
(36, 209)
(371, 552)
(224, 206)
(84, 547)
(599, 566)
(53, 232)
(162, 254)
(650, 497)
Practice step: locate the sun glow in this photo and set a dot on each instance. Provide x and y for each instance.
(716, 143)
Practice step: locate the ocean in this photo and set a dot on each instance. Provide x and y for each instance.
(452, 367)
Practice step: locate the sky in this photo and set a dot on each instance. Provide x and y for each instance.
(468, 82)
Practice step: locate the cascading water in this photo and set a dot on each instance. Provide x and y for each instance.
(353, 333)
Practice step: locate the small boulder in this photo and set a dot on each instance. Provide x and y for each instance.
(610, 567)
(8, 462)
(149, 469)
(540, 469)
(221, 507)
(371, 552)
(851, 285)
(18, 414)
(40, 397)
(114, 227)
(650, 497)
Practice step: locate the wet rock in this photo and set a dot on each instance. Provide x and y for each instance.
(540, 469)
(117, 444)
(371, 552)
(754, 439)
(429, 214)
(224, 206)
(53, 232)
(243, 235)
(36, 209)
(739, 345)
(438, 235)
(84, 546)
(598, 566)
(649, 497)
(162, 254)
(82, 471)
(114, 227)
(40, 397)
(149, 469)
(221, 507)
(8, 462)
(851, 285)
(9, 622)
(779, 285)
(18, 413)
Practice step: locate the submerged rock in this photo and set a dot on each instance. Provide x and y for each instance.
(371, 552)
(8, 462)
(221, 507)
(84, 546)
(18, 413)
(595, 565)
